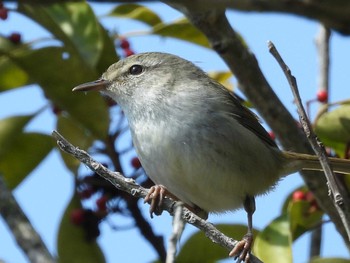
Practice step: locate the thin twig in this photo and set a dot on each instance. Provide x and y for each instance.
(334, 189)
(322, 45)
(178, 228)
(26, 237)
(130, 186)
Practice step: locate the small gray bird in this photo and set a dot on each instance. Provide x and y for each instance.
(195, 139)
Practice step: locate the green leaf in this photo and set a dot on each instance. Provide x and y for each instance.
(222, 77)
(329, 260)
(10, 129)
(108, 54)
(181, 29)
(27, 151)
(72, 246)
(198, 248)
(333, 128)
(73, 132)
(74, 23)
(11, 76)
(137, 12)
(57, 76)
(274, 243)
(302, 218)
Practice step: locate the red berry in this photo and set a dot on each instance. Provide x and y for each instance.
(298, 196)
(135, 162)
(15, 38)
(3, 13)
(128, 52)
(272, 135)
(77, 216)
(322, 96)
(124, 44)
(56, 110)
(86, 193)
(102, 203)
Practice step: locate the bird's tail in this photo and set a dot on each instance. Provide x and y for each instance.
(311, 162)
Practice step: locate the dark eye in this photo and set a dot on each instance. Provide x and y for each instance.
(135, 70)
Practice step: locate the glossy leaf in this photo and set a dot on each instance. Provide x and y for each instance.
(137, 12)
(57, 75)
(72, 246)
(74, 23)
(302, 218)
(26, 152)
(333, 128)
(274, 243)
(198, 248)
(10, 129)
(108, 54)
(181, 29)
(11, 76)
(75, 134)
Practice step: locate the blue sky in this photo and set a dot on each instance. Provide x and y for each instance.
(45, 193)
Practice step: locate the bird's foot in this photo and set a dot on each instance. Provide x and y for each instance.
(242, 249)
(156, 196)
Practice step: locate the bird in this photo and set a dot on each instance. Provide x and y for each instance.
(195, 139)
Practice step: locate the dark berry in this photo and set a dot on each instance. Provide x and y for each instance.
(135, 162)
(124, 44)
(3, 13)
(86, 193)
(15, 38)
(128, 52)
(298, 196)
(322, 96)
(102, 203)
(77, 216)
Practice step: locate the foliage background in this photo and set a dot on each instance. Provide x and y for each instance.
(44, 194)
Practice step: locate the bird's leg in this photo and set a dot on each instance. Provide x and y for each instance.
(156, 195)
(242, 248)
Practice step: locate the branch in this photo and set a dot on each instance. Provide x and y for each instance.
(335, 190)
(333, 14)
(130, 186)
(229, 45)
(178, 228)
(27, 238)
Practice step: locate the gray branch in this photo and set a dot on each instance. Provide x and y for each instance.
(336, 192)
(130, 186)
(333, 14)
(27, 238)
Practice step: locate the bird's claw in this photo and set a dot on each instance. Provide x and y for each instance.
(156, 196)
(242, 249)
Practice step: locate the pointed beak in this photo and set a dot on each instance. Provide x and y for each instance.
(96, 85)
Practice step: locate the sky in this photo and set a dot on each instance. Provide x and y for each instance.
(44, 194)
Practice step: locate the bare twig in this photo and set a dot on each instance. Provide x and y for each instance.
(27, 238)
(178, 228)
(130, 186)
(322, 44)
(334, 189)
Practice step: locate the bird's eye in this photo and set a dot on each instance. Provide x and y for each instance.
(135, 69)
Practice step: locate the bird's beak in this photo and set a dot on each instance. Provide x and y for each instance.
(93, 86)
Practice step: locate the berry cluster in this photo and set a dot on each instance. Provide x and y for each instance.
(308, 196)
(3, 11)
(125, 46)
(104, 197)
